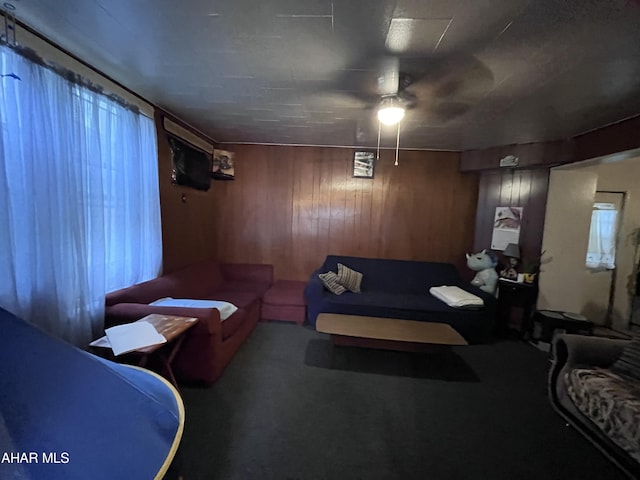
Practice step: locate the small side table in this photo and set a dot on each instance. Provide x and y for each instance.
(170, 327)
(516, 295)
(552, 320)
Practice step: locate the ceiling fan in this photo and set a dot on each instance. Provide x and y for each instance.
(441, 88)
(389, 84)
(395, 99)
(391, 108)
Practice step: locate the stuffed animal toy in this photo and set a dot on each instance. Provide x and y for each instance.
(484, 263)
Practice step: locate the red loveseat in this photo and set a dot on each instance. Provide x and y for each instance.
(209, 346)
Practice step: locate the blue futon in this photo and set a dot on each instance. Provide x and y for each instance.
(67, 414)
(400, 289)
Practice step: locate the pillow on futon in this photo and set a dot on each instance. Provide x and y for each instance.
(349, 278)
(331, 283)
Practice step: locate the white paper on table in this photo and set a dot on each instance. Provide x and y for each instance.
(132, 336)
(101, 342)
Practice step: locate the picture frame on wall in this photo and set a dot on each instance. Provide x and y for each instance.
(223, 165)
(364, 164)
(506, 227)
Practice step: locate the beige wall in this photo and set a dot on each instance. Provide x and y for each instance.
(565, 239)
(623, 177)
(566, 283)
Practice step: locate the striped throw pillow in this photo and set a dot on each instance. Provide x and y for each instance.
(330, 282)
(629, 361)
(349, 278)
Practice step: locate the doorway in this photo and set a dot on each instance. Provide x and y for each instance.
(565, 280)
(602, 279)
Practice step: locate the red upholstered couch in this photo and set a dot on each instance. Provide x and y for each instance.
(211, 343)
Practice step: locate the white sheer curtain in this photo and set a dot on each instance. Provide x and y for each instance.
(79, 200)
(601, 252)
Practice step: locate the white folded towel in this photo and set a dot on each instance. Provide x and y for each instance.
(456, 297)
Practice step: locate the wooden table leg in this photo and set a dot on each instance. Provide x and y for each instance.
(168, 360)
(165, 360)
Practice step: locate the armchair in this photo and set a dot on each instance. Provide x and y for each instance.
(617, 397)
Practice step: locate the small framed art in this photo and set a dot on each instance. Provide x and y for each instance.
(364, 164)
(223, 165)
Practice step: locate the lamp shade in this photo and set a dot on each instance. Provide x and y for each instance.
(390, 111)
(512, 250)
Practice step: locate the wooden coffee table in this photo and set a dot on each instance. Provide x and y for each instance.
(387, 333)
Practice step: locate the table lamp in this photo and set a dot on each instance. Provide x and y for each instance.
(512, 250)
(512, 253)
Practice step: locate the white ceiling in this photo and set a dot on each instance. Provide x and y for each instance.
(484, 72)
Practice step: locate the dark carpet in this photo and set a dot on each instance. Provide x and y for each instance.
(290, 406)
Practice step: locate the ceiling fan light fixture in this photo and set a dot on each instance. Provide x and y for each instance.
(390, 111)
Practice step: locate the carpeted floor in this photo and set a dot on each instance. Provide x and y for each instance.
(290, 406)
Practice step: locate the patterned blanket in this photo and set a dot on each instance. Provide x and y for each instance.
(611, 401)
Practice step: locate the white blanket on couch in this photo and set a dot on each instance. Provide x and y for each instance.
(456, 297)
(226, 309)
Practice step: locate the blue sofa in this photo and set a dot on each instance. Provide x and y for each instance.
(400, 289)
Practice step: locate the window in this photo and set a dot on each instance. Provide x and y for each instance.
(601, 252)
(79, 200)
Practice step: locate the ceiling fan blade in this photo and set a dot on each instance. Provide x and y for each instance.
(389, 77)
(408, 99)
(446, 111)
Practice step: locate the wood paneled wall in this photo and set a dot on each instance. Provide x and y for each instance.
(188, 215)
(513, 188)
(292, 206)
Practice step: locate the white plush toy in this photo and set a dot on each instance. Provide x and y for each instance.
(485, 264)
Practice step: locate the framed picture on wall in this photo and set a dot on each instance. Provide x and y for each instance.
(363, 164)
(506, 227)
(223, 165)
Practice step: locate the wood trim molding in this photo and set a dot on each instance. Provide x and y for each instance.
(181, 128)
(615, 138)
(187, 135)
(530, 155)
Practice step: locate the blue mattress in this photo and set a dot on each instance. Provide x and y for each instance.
(67, 414)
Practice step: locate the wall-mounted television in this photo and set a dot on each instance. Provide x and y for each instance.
(191, 166)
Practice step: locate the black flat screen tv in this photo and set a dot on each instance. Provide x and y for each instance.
(191, 167)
